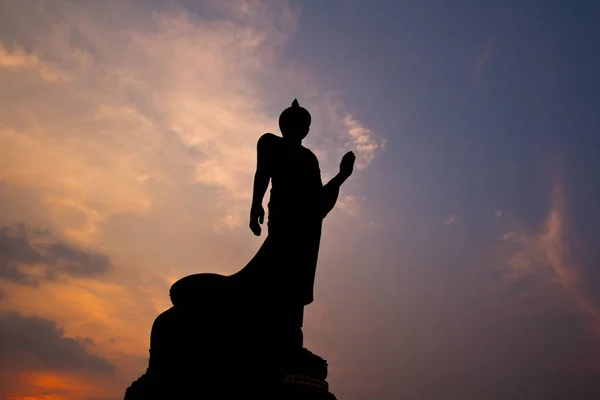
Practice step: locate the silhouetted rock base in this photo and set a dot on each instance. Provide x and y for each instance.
(307, 382)
(219, 342)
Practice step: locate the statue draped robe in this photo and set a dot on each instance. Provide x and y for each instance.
(283, 270)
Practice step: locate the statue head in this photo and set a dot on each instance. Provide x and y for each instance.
(294, 122)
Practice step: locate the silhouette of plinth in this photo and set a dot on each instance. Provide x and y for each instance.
(220, 342)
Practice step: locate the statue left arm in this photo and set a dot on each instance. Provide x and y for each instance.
(331, 190)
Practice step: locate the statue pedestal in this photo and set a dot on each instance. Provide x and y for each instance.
(216, 344)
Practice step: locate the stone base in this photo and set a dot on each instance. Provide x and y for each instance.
(300, 385)
(218, 343)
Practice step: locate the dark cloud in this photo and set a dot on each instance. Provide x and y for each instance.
(77, 262)
(22, 247)
(33, 342)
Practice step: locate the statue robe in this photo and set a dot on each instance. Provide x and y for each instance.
(284, 268)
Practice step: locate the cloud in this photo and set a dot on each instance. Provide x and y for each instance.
(363, 140)
(348, 133)
(452, 219)
(28, 256)
(351, 205)
(158, 97)
(76, 262)
(544, 257)
(18, 59)
(33, 342)
(230, 222)
(508, 235)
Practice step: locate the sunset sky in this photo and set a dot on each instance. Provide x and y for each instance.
(461, 261)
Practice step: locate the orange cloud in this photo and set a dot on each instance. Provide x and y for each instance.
(41, 385)
(18, 59)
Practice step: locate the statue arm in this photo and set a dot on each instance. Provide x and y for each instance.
(261, 183)
(263, 168)
(331, 190)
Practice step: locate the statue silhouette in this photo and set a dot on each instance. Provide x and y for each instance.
(247, 327)
(284, 268)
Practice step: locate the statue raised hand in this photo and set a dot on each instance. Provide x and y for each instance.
(347, 164)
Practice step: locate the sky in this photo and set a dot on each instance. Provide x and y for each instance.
(460, 261)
